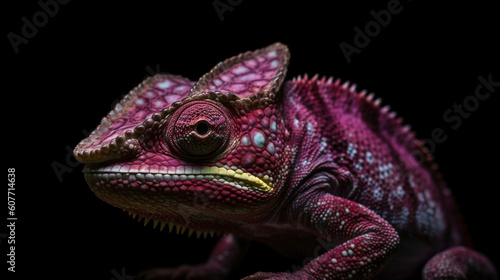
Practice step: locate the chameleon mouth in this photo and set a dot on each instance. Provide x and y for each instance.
(147, 177)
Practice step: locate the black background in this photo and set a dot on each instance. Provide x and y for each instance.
(68, 76)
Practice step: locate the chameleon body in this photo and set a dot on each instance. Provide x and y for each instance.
(292, 164)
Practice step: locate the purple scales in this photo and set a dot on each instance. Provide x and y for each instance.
(283, 163)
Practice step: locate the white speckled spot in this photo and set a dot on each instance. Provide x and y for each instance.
(369, 157)
(164, 84)
(359, 165)
(247, 77)
(296, 122)
(171, 98)
(245, 140)
(334, 260)
(274, 63)
(400, 192)
(410, 181)
(323, 143)
(309, 128)
(273, 126)
(351, 150)
(270, 148)
(421, 197)
(240, 70)
(139, 101)
(181, 88)
(217, 82)
(258, 139)
(251, 63)
(385, 170)
(378, 194)
(272, 54)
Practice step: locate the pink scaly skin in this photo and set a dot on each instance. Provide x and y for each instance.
(283, 163)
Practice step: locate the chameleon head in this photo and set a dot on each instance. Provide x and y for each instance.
(197, 155)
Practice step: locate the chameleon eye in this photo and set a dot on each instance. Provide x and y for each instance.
(199, 129)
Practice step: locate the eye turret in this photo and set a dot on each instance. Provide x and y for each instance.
(199, 129)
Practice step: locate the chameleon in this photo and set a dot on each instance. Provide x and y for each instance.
(291, 164)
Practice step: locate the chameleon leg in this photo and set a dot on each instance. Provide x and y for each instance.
(459, 263)
(366, 241)
(223, 258)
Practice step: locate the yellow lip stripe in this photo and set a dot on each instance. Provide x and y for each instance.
(220, 174)
(240, 175)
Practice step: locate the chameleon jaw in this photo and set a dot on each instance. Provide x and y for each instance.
(235, 178)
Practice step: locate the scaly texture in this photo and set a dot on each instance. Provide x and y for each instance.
(292, 164)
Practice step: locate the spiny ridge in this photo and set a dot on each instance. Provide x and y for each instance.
(345, 95)
(179, 229)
